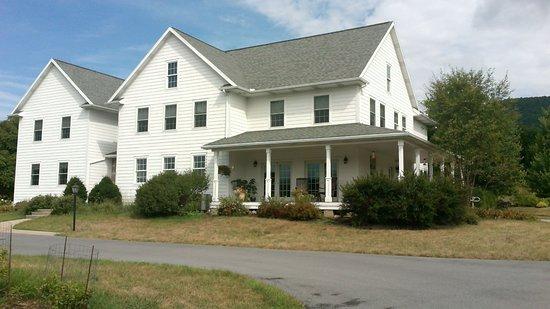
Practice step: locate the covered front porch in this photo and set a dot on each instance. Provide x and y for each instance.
(320, 165)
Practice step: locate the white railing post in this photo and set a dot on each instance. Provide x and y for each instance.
(328, 175)
(401, 155)
(267, 173)
(215, 179)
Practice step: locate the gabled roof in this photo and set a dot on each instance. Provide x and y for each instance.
(95, 87)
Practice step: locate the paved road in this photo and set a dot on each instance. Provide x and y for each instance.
(334, 280)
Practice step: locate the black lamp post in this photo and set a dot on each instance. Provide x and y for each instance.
(75, 191)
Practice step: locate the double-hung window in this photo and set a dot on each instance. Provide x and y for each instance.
(63, 173)
(382, 115)
(143, 119)
(404, 123)
(388, 77)
(321, 109)
(170, 112)
(396, 120)
(35, 174)
(66, 127)
(372, 112)
(141, 170)
(38, 130)
(284, 180)
(169, 163)
(277, 111)
(199, 163)
(172, 74)
(200, 114)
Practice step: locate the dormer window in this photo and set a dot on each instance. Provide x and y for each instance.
(388, 77)
(321, 109)
(172, 74)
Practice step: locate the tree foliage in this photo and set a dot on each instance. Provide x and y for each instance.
(82, 192)
(539, 169)
(477, 127)
(8, 150)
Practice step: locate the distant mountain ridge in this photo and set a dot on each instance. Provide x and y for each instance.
(530, 109)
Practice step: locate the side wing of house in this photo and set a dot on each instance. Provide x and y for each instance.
(103, 130)
(173, 122)
(388, 90)
(41, 148)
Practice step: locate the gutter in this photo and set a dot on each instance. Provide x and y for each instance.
(93, 106)
(336, 81)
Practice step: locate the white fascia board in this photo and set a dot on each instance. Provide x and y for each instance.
(72, 83)
(364, 71)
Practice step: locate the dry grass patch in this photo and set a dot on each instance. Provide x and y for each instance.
(490, 239)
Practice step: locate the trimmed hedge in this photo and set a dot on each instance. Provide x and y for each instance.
(231, 207)
(272, 207)
(82, 192)
(302, 209)
(414, 201)
(170, 193)
(105, 190)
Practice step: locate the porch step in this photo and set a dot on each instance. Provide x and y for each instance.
(39, 213)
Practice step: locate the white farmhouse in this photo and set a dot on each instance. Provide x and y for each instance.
(315, 112)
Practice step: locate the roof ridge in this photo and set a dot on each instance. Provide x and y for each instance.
(88, 69)
(307, 37)
(194, 37)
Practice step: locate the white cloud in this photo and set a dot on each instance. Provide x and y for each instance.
(511, 36)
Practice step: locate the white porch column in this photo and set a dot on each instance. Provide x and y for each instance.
(442, 167)
(453, 169)
(215, 179)
(267, 173)
(328, 174)
(431, 166)
(401, 155)
(417, 161)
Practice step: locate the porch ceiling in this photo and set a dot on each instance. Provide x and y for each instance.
(340, 133)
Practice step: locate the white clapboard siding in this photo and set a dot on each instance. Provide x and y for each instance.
(237, 114)
(102, 140)
(53, 99)
(196, 82)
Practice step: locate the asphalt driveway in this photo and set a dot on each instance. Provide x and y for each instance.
(334, 280)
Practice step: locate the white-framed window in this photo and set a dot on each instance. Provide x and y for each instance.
(404, 123)
(63, 173)
(388, 77)
(199, 163)
(170, 116)
(277, 113)
(284, 180)
(396, 120)
(141, 170)
(169, 163)
(66, 127)
(372, 112)
(35, 174)
(321, 108)
(200, 114)
(38, 130)
(143, 119)
(172, 75)
(382, 115)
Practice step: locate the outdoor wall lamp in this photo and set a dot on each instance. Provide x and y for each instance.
(255, 163)
(345, 159)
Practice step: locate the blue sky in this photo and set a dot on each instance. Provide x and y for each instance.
(113, 36)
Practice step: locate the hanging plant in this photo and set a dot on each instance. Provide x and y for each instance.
(224, 170)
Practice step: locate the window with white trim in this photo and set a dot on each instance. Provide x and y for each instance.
(388, 77)
(169, 163)
(66, 127)
(404, 123)
(200, 114)
(382, 115)
(321, 109)
(396, 120)
(38, 130)
(141, 170)
(63, 173)
(172, 76)
(277, 113)
(372, 112)
(143, 119)
(35, 174)
(199, 163)
(170, 116)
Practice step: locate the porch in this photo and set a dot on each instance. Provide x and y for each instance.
(303, 157)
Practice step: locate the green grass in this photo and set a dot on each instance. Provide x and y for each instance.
(11, 215)
(143, 285)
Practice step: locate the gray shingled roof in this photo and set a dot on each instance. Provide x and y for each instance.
(305, 134)
(319, 58)
(97, 86)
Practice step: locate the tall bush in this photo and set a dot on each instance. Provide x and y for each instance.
(82, 192)
(105, 190)
(170, 193)
(232, 207)
(35, 203)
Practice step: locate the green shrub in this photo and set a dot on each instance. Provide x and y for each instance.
(82, 192)
(64, 294)
(511, 214)
(109, 207)
(487, 199)
(231, 206)
(272, 208)
(470, 216)
(170, 193)
(525, 198)
(414, 201)
(35, 203)
(4, 267)
(542, 204)
(301, 211)
(105, 190)
(64, 204)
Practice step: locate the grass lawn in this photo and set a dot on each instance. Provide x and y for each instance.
(490, 239)
(537, 212)
(142, 285)
(11, 215)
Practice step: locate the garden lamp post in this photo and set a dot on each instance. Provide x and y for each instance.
(75, 191)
